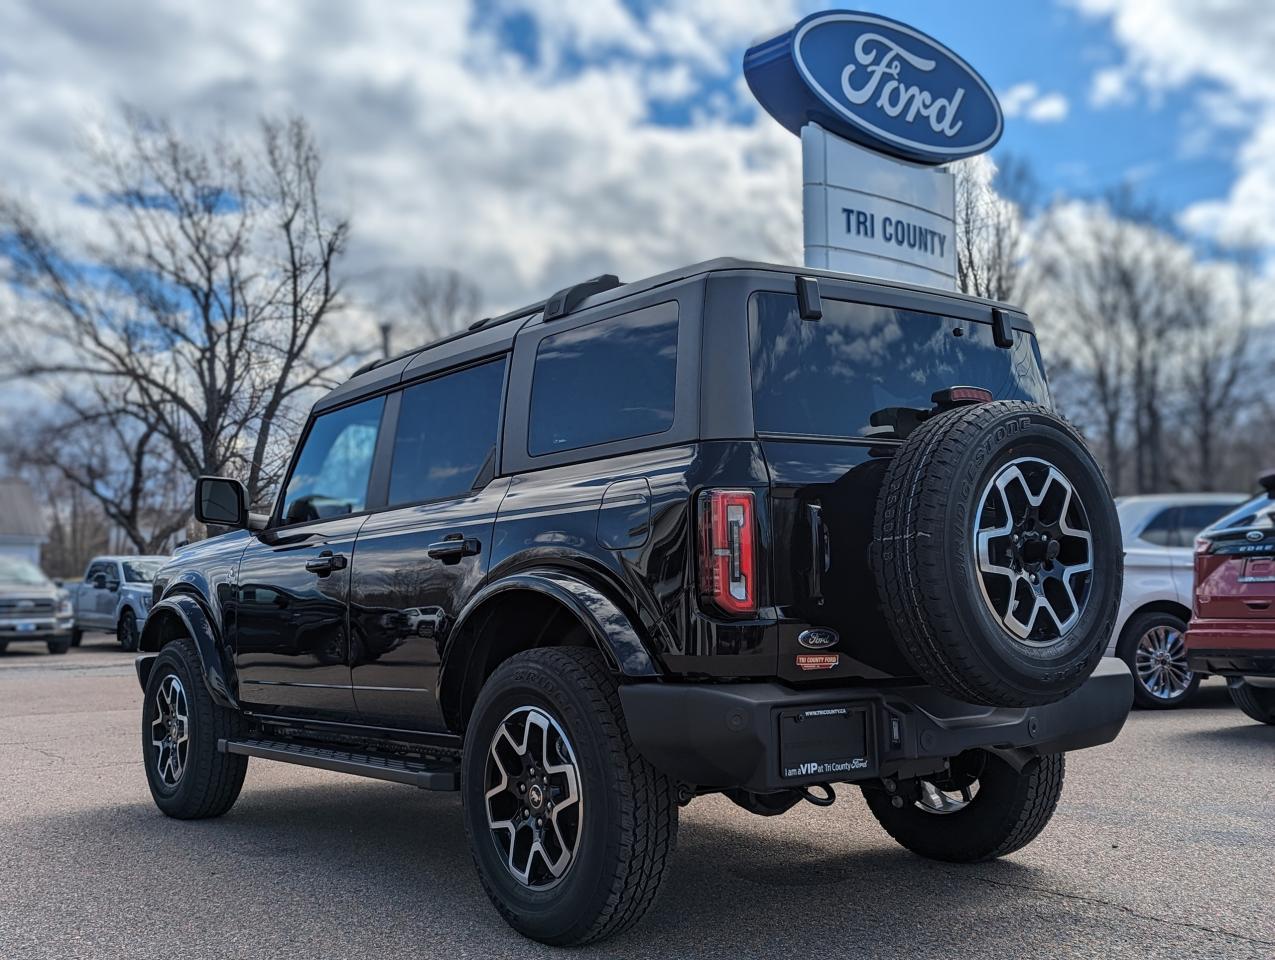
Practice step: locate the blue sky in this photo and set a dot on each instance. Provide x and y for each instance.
(529, 143)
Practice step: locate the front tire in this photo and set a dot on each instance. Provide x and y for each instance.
(59, 647)
(77, 635)
(126, 631)
(569, 826)
(1153, 646)
(1256, 702)
(982, 810)
(189, 779)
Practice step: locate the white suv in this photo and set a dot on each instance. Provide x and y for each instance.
(1159, 532)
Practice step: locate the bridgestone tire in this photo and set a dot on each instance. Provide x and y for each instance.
(925, 555)
(1257, 702)
(211, 781)
(628, 826)
(1008, 812)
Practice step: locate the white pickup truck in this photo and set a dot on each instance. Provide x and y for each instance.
(114, 596)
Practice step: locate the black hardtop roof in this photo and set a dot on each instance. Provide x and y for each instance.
(492, 334)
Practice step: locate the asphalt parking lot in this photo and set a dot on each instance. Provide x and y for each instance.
(1164, 846)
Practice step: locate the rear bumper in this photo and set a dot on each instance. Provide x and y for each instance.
(766, 737)
(1231, 647)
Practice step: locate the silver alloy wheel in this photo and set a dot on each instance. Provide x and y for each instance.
(535, 810)
(1160, 662)
(170, 730)
(1033, 550)
(940, 801)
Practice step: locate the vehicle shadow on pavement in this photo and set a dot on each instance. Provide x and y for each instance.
(287, 854)
(1245, 731)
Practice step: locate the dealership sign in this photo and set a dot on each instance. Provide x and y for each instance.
(877, 82)
(878, 105)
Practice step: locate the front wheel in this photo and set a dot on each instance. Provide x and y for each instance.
(981, 809)
(569, 826)
(1256, 702)
(189, 779)
(59, 646)
(77, 635)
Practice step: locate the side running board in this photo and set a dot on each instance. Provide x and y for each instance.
(426, 774)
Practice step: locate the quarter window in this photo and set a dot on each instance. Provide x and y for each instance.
(610, 380)
(331, 475)
(446, 434)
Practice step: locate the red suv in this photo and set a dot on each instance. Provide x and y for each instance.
(1232, 631)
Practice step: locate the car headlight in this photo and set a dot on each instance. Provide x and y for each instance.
(65, 607)
(143, 601)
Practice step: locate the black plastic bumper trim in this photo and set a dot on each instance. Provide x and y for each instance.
(727, 735)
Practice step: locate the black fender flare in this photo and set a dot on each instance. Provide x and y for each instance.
(611, 630)
(217, 663)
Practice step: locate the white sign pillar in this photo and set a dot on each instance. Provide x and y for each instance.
(878, 216)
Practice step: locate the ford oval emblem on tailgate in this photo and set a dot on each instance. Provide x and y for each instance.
(820, 638)
(1255, 535)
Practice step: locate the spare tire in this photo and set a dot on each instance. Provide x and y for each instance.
(997, 554)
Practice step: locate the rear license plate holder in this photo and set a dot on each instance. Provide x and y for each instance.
(1258, 570)
(828, 741)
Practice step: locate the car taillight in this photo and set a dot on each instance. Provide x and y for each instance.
(1203, 545)
(728, 554)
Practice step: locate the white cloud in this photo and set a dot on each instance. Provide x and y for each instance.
(446, 148)
(1026, 100)
(1228, 45)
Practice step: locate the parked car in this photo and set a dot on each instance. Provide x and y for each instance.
(1232, 630)
(114, 597)
(32, 607)
(1159, 532)
(736, 529)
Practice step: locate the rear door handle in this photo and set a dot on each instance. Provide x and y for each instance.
(454, 547)
(325, 563)
(1257, 604)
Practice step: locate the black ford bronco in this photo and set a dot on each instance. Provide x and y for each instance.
(736, 529)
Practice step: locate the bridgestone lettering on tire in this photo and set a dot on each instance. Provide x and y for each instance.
(997, 554)
(602, 864)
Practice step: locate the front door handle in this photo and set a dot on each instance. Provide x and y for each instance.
(325, 563)
(454, 547)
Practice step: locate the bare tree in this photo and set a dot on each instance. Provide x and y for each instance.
(200, 313)
(440, 302)
(992, 210)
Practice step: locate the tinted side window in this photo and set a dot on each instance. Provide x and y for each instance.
(1196, 517)
(851, 373)
(330, 478)
(1163, 528)
(610, 380)
(446, 432)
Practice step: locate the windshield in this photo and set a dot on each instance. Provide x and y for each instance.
(141, 571)
(1258, 512)
(865, 371)
(21, 573)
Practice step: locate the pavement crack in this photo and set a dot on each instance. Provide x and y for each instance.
(1098, 901)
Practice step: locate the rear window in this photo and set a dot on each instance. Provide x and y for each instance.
(829, 377)
(611, 380)
(1258, 512)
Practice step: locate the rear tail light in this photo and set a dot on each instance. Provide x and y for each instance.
(728, 551)
(1203, 545)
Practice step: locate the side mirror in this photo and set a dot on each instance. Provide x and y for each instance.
(221, 501)
(99, 581)
(1267, 480)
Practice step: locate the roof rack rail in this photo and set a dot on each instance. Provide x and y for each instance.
(568, 298)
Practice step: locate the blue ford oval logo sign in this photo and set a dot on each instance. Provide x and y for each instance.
(818, 638)
(1255, 535)
(878, 82)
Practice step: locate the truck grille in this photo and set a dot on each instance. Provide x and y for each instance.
(14, 607)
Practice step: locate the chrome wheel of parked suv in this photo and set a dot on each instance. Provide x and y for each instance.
(1153, 645)
(169, 730)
